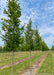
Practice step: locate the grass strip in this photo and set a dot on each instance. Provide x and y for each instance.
(48, 66)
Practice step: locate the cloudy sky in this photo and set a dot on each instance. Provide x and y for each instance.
(42, 14)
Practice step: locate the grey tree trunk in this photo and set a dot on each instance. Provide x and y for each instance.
(12, 61)
(30, 64)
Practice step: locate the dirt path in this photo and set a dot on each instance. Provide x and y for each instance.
(35, 67)
(15, 63)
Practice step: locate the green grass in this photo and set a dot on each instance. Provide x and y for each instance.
(17, 57)
(20, 67)
(48, 66)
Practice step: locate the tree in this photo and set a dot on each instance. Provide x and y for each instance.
(52, 48)
(22, 45)
(1, 48)
(44, 46)
(11, 25)
(29, 35)
(37, 40)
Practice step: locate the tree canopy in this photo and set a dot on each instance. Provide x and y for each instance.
(17, 37)
(11, 25)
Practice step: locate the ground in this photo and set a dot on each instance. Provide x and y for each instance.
(41, 63)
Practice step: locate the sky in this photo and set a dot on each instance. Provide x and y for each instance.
(42, 14)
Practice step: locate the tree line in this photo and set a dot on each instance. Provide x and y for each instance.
(19, 37)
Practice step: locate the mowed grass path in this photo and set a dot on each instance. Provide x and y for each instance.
(48, 66)
(20, 67)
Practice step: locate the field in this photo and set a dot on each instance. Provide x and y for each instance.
(23, 62)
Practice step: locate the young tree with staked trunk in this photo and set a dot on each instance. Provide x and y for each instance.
(29, 35)
(11, 26)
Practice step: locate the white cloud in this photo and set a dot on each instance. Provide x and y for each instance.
(49, 41)
(33, 14)
(48, 34)
(46, 30)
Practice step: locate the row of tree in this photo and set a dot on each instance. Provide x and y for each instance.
(17, 37)
(52, 48)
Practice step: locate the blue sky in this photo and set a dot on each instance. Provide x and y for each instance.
(42, 14)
